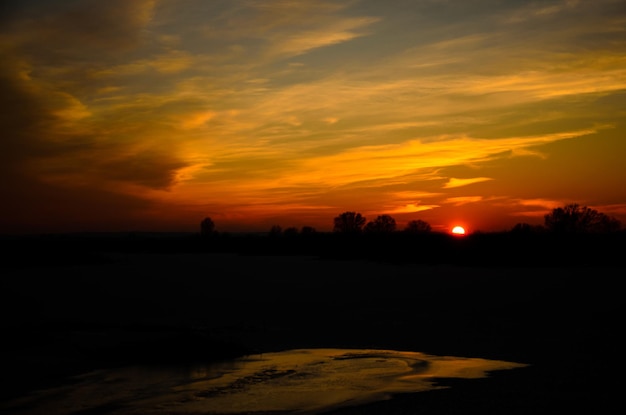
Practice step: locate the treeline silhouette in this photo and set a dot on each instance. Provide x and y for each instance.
(572, 235)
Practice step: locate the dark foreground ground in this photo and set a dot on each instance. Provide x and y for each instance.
(62, 317)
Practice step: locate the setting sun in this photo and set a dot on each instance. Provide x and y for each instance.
(138, 116)
(458, 230)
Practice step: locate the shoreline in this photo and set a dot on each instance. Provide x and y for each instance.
(558, 320)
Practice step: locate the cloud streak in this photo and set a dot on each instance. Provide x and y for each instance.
(249, 108)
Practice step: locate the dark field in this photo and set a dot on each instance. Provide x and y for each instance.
(73, 304)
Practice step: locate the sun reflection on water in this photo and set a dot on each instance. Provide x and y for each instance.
(303, 381)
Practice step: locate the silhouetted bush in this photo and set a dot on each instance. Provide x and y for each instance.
(207, 226)
(275, 231)
(307, 230)
(417, 226)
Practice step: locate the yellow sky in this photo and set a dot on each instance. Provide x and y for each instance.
(153, 114)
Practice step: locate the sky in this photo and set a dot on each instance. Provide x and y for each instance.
(150, 115)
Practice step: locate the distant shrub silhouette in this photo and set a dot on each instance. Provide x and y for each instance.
(276, 230)
(417, 226)
(291, 231)
(349, 222)
(573, 218)
(207, 226)
(382, 224)
(307, 230)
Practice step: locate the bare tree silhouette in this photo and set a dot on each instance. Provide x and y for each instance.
(349, 222)
(276, 230)
(207, 226)
(573, 218)
(417, 226)
(382, 224)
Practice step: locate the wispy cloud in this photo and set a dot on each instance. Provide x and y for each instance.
(336, 32)
(462, 200)
(412, 208)
(456, 182)
(254, 107)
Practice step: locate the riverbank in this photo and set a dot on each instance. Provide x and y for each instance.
(182, 308)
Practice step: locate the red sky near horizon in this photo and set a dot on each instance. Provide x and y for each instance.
(153, 114)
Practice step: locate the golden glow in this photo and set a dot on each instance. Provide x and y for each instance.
(263, 110)
(454, 182)
(290, 381)
(458, 230)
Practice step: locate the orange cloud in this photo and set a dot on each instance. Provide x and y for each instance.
(454, 182)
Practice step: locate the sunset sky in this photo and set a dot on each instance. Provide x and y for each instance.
(149, 115)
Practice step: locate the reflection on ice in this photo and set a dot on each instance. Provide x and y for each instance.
(305, 380)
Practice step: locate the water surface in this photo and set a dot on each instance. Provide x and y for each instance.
(295, 381)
